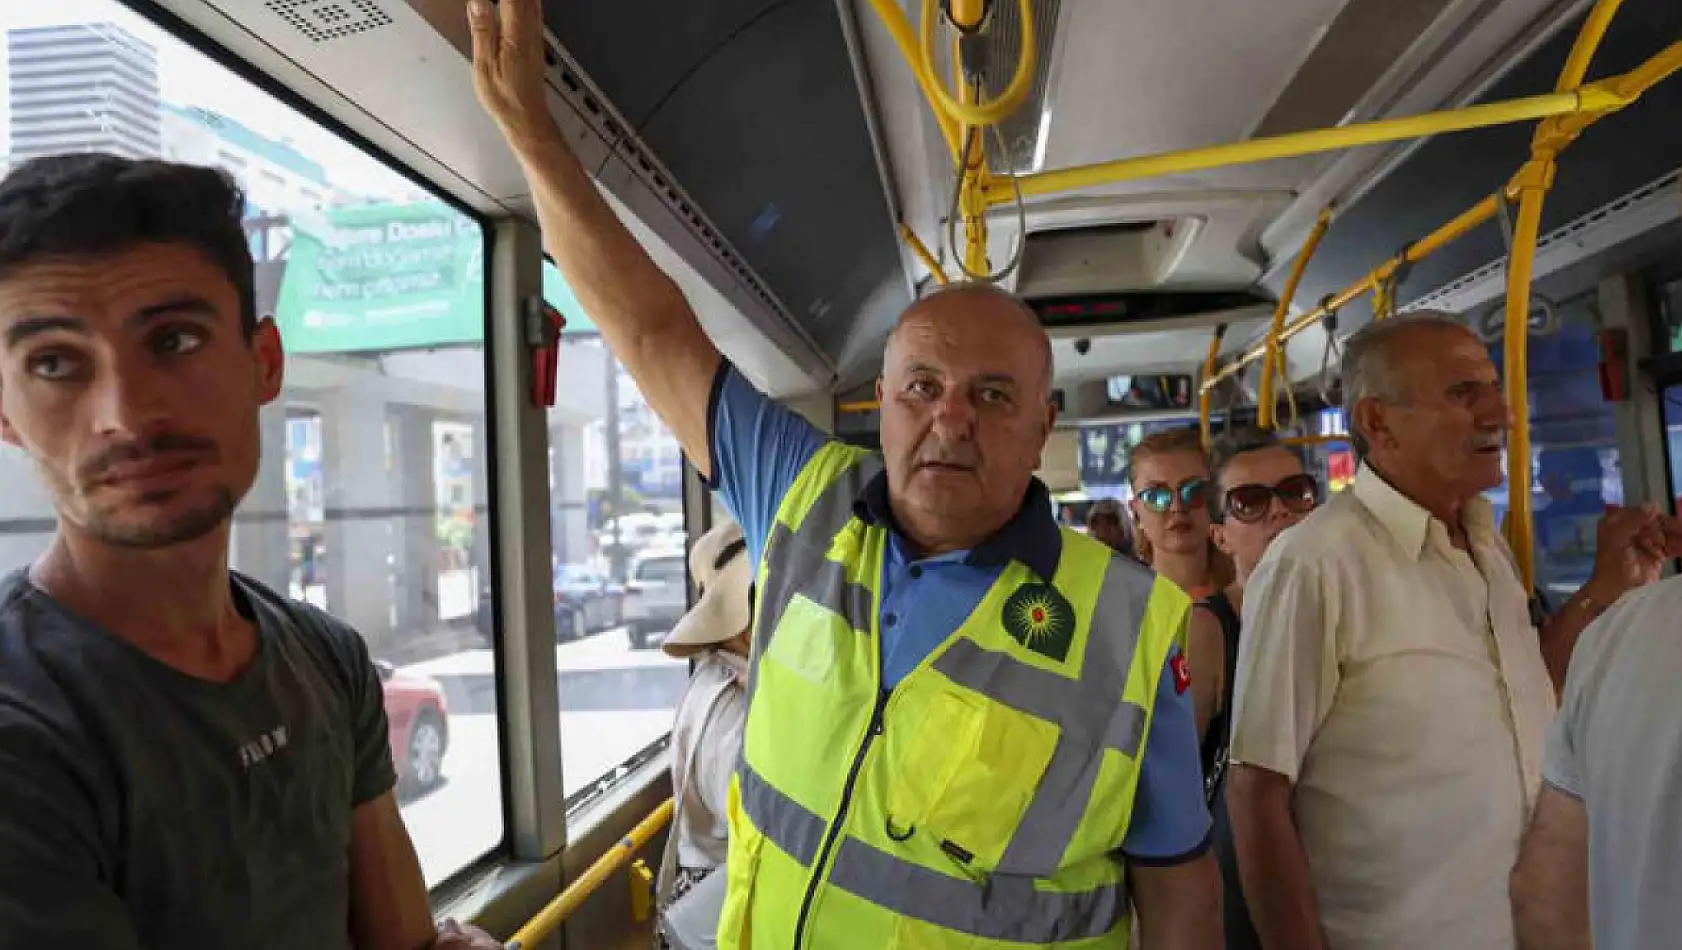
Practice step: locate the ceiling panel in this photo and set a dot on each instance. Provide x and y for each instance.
(1181, 73)
(754, 109)
(1451, 173)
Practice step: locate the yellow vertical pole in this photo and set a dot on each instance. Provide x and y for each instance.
(972, 201)
(922, 251)
(1265, 400)
(1205, 397)
(1534, 181)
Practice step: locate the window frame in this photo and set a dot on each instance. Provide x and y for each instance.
(185, 33)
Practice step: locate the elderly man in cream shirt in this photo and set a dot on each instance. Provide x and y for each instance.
(1392, 693)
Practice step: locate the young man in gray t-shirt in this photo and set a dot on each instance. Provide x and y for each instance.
(1601, 857)
(186, 758)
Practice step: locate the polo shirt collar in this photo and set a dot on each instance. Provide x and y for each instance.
(1031, 536)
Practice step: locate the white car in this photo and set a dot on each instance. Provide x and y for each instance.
(656, 595)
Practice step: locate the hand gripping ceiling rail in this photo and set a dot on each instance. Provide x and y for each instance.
(1561, 116)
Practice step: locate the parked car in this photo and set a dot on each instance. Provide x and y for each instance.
(656, 595)
(585, 602)
(419, 722)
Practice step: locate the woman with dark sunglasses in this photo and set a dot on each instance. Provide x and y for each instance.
(1260, 489)
(1171, 495)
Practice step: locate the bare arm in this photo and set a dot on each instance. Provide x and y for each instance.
(1631, 546)
(1271, 861)
(1550, 889)
(388, 904)
(639, 309)
(1179, 905)
(1206, 655)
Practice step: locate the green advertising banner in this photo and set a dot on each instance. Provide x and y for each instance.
(383, 277)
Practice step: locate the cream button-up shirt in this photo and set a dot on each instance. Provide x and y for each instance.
(1400, 684)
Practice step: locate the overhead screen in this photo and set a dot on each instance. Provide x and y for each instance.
(1156, 391)
(1099, 309)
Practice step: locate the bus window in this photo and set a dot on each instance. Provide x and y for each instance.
(617, 489)
(1575, 462)
(373, 497)
(1673, 440)
(1670, 323)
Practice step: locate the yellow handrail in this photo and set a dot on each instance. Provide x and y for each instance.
(1415, 252)
(1627, 87)
(1561, 116)
(1588, 40)
(1533, 181)
(906, 39)
(1265, 400)
(1599, 97)
(966, 14)
(1314, 439)
(979, 114)
(922, 251)
(1539, 173)
(551, 917)
(1204, 396)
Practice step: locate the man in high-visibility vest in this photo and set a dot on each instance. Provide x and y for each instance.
(967, 727)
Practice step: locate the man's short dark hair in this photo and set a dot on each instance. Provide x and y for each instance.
(88, 204)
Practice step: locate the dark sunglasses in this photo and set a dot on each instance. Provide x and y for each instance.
(1193, 493)
(1249, 503)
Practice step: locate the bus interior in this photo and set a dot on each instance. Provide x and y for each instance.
(783, 163)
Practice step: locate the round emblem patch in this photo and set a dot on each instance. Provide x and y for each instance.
(1040, 618)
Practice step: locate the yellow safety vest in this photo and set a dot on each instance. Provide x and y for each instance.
(982, 804)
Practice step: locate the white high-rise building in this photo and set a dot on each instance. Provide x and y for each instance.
(82, 88)
(277, 178)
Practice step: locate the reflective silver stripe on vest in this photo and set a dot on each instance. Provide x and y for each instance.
(1006, 907)
(795, 563)
(1090, 714)
(782, 819)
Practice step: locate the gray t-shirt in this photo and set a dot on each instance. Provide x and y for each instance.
(1617, 746)
(140, 807)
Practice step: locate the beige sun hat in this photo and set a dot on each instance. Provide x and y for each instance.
(718, 564)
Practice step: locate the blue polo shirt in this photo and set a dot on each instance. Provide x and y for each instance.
(759, 447)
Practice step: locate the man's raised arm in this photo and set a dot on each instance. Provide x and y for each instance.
(639, 309)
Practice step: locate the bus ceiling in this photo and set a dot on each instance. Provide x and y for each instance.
(772, 154)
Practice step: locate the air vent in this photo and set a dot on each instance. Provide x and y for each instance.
(1645, 209)
(573, 85)
(326, 20)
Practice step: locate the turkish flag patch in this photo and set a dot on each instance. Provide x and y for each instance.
(1182, 673)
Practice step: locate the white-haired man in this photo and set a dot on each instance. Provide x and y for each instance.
(1392, 693)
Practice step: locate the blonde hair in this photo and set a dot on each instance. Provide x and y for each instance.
(1186, 439)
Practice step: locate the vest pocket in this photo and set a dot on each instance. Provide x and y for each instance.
(735, 923)
(967, 776)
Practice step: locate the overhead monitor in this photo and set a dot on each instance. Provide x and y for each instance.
(1154, 392)
(1135, 306)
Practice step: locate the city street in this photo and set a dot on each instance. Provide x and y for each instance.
(614, 702)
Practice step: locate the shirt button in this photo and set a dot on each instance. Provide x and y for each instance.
(889, 620)
(916, 571)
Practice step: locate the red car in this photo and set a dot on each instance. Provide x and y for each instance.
(420, 727)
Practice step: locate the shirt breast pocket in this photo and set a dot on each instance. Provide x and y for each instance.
(967, 776)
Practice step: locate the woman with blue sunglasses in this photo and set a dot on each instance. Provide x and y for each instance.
(1171, 494)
